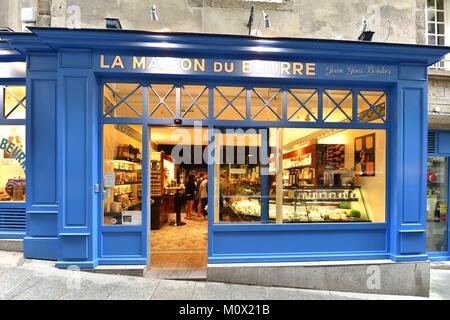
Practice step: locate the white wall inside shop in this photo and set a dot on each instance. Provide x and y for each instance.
(373, 188)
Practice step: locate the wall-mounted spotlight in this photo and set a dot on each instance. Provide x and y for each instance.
(264, 16)
(267, 22)
(154, 13)
(250, 20)
(365, 35)
(113, 23)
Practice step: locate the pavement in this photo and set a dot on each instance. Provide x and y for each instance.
(22, 279)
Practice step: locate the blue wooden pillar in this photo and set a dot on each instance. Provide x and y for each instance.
(408, 144)
(78, 160)
(41, 241)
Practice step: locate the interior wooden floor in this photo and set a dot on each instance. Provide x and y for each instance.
(180, 248)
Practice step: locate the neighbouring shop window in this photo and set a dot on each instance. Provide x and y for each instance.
(162, 101)
(122, 100)
(12, 163)
(292, 175)
(194, 102)
(437, 204)
(122, 174)
(14, 102)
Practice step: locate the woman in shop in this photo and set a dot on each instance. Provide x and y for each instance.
(190, 188)
(203, 195)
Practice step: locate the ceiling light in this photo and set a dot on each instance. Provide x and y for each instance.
(113, 23)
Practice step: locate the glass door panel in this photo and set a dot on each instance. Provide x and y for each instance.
(437, 204)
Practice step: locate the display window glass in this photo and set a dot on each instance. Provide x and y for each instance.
(14, 103)
(122, 174)
(230, 103)
(238, 176)
(122, 100)
(194, 102)
(437, 204)
(162, 101)
(266, 104)
(303, 176)
(12, 163)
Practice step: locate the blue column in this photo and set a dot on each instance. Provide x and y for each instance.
(78, 160)
(41, 241)
(408, 145)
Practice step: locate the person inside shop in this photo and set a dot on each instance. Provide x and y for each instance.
(199, 181)
(203, 195)
(190, 189)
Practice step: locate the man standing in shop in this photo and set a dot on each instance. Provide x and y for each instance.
(203, 195)
(198, 204)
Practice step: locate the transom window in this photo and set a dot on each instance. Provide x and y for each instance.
(192, 102)
(14, 102)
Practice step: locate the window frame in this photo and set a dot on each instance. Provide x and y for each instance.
(12, 122)
(213, 124)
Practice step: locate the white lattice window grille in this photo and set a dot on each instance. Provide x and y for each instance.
(437, 28)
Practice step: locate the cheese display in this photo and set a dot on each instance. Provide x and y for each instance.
(300, 210)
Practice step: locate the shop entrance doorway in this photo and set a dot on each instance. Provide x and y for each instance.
(178, 183)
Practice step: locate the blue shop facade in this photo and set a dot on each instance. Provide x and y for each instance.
(343, 125)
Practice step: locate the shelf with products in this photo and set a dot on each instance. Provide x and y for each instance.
(309, 165)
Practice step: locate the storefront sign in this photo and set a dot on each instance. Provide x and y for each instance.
(14, 151)
(243, 68)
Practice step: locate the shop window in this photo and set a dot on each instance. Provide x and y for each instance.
(301, 176)
(194, 102)
(14, 102)
(337, 106)
(437, 204)
(230, 103)
(302, 105)
(162, 101)
(266, 104)
(122, 174)
(372, 106)
(122, 100)
(12, 163)
(238, 176)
